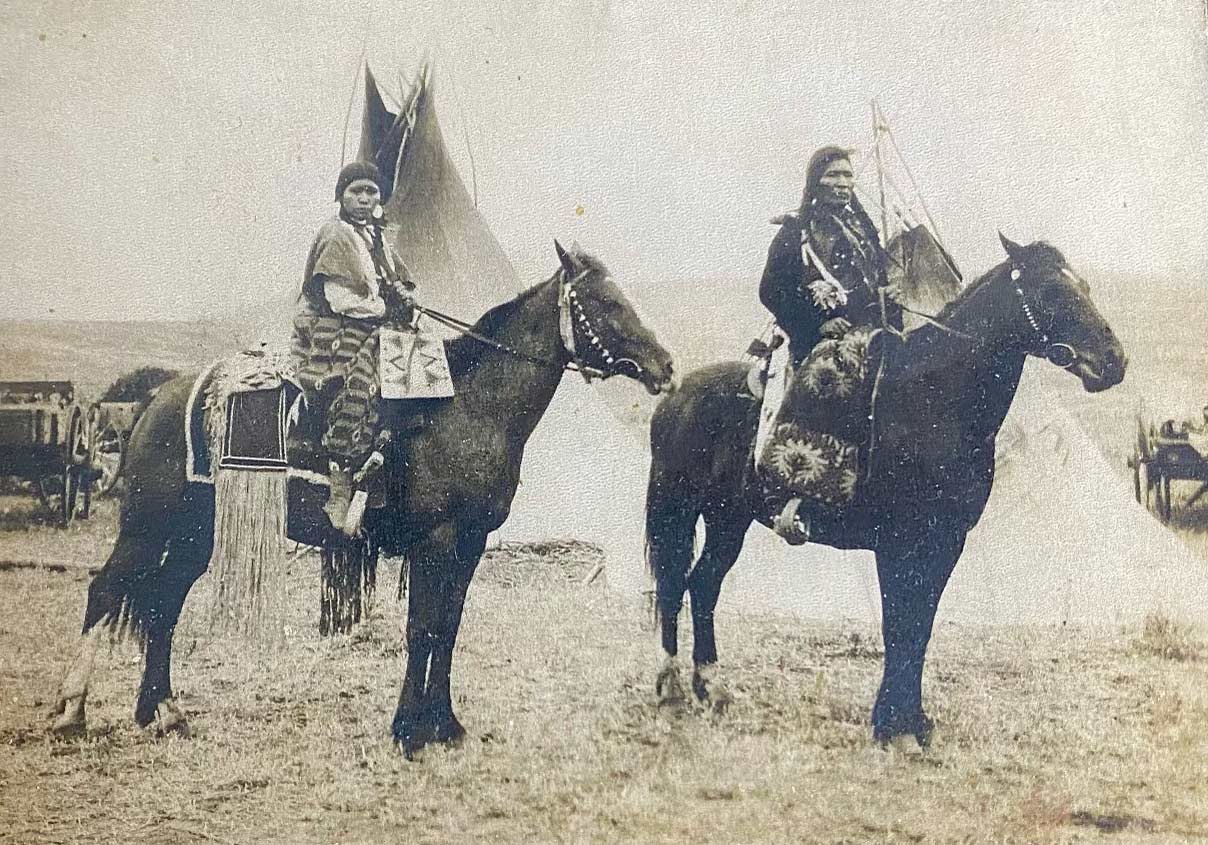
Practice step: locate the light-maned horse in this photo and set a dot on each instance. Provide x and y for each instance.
(454, 483)
(941, 401)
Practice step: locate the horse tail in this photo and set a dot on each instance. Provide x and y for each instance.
(671, 516)
(163, 537)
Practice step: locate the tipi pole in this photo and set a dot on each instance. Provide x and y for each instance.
(876, 151)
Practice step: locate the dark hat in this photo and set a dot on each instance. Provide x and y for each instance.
(355, 170)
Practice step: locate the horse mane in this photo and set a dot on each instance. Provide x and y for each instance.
(1038, 253)
(464, 353)
(923, 339)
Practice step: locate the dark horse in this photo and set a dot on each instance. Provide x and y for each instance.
(942, 398)
(459, 475)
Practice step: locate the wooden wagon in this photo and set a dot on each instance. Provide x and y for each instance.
(66, 449)
(1166, 453)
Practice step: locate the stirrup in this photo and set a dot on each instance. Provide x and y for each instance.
(354, 515)
(792, 527)
(340, 496)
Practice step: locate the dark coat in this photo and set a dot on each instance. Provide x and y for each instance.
(859, 267)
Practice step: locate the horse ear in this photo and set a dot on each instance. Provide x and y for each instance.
(569, 264)
(1014, 250)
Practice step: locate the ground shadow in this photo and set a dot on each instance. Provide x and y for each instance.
(1193, 519)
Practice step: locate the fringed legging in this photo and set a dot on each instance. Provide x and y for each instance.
(324, 348)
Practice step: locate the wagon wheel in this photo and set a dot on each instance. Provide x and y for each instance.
(1141, 450)
(60, 493)
(61, 481)
(106, 459)
(77, 476)
(1161, 495)
(1140, 479)
(1153, 497)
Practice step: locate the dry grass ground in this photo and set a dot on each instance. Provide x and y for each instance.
(1046, 735)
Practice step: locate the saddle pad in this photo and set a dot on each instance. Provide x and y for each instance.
(245, 431)
(255, 430)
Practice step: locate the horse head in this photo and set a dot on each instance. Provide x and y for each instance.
(602, 330)
(1059, 321)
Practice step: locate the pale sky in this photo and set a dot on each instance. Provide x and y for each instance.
(173, 159)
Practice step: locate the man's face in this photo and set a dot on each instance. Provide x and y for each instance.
(837, 182)
(359, 199)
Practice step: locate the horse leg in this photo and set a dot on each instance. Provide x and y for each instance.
(67, 715)
(185, 561)
(137, 549)
(430, 563)
(439, 706)
(724, 535)
(670, 536)
(911, 585)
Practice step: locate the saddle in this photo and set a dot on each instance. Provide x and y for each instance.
(814, 437)
(249, 414)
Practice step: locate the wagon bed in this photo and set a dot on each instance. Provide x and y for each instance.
(1163, 455)
(67, 449)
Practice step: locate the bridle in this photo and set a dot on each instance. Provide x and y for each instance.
(578, 333)
(1061, 354)
(574, 328)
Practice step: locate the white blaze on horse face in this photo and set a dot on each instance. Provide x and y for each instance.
(1078, 281)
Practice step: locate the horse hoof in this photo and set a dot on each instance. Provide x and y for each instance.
(669, 688)
(170, 721)
(68, 727)
(449, 733)
(924, 732)
(409, 747)
(67, 721)
(720, 701)
(920, 728)
(708, 692)
(411, 736)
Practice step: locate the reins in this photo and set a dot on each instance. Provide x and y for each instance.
(467, 330)
(1068, 355)
(1067, 358)
(933, 319)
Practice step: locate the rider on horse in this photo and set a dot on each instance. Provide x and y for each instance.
(826, 284)
(826, 266)
(355, 283)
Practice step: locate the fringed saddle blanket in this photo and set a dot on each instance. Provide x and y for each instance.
(237, 415)
(810, 430)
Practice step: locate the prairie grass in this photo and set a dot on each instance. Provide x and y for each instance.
(1168, 639)
(1045, 735)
